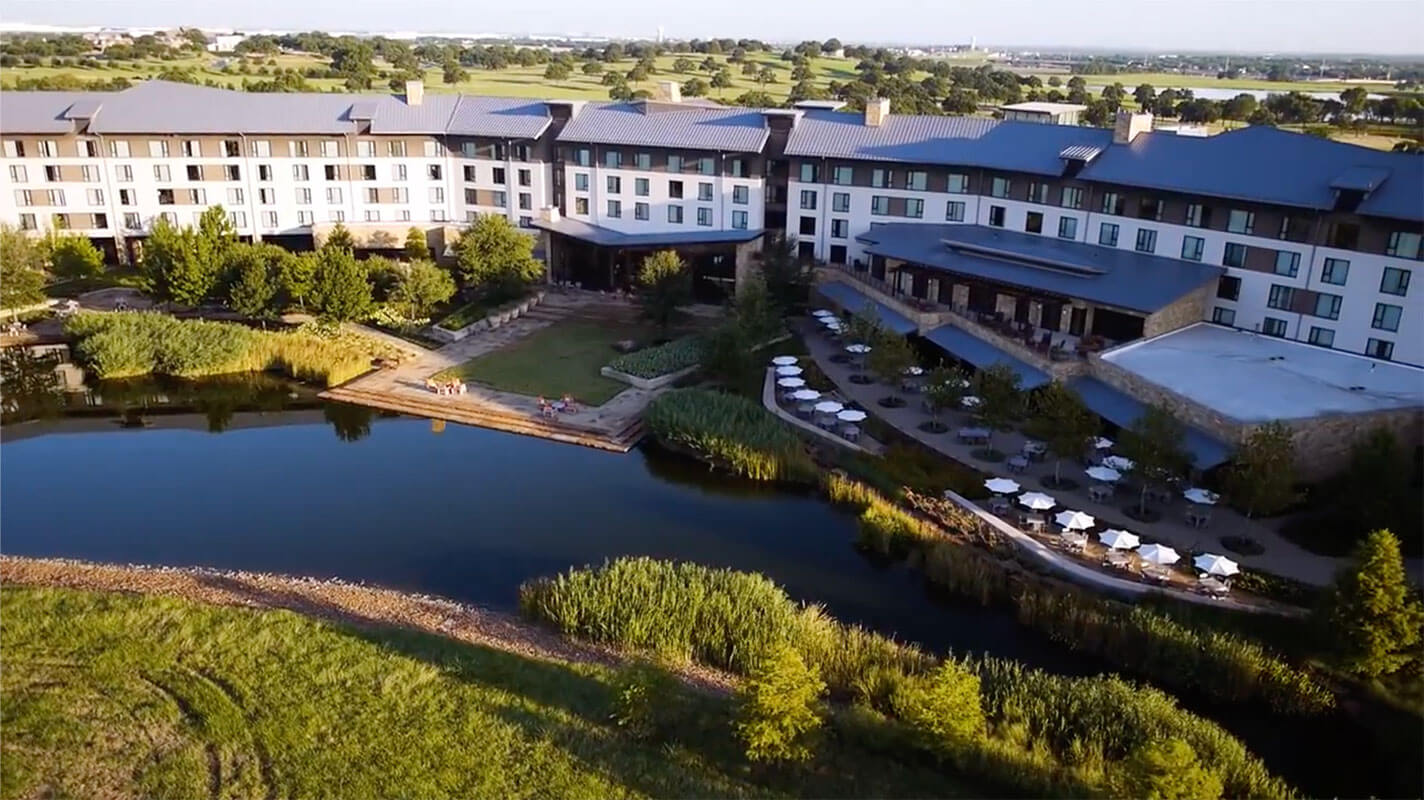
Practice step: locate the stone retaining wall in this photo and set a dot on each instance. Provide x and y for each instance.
(493, 320)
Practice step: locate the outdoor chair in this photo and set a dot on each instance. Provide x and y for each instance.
(1017, 464)
(851, 433)
(1100, 493)
(999, 505)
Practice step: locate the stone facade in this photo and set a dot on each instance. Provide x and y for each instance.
(1186, 310)
(1323, 444)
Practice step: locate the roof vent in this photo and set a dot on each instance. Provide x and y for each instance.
(876, 110)
(414, 92)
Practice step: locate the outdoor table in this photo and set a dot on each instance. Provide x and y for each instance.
(998, 505)
(1033, 522)
(1118, 558)
(1100, 492)
(1198, 518)
(1032, 448)
(804, 410)
(973, 435)
(1017, 463)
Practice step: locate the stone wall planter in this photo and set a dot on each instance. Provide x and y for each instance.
(490, 322)
(647, 383)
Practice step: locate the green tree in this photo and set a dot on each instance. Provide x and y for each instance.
(778, 707)
(452, 73)
(214, 238)
(296, 276)
(889, 357)
(592, 68)
(1262, 473)
(172, 267)
(1372, 611)
(787, 277)
(416, 248)
(494, 256)
(646, 699)
(665, 284)
(694, 87)
(22, 262)
(340, 238)
(1060, 420)
(1145, 95)
(722, 80)
(1154, 445)
(1000, 399)
(75, 257)
(945, 387)
(557, 71)
(683, 65)
(1374, 490)
(421, 288)
(943, 707)
(340, 291)
(253, 284)
(766, 75)
(1166, 770)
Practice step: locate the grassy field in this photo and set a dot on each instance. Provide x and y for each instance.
(123, 696)
(564, 358)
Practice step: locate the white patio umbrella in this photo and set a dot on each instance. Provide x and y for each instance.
(914, 371)
(851, 415)
(1038, 501)
(1074, 520)
(1118, 539)
(829, 407)
(1201, 496)
(1118, 463)
(783, 361)
(1102, 443)
(829, 321)
(823, 312)
(1002, 485)
(805, 394)
(858, 349)
(1213, 564)
(791, 383)
(788, 371)
(971, 402)
(1104, 474)
(1158, 554)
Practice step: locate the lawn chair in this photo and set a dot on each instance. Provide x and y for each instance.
(851, 433)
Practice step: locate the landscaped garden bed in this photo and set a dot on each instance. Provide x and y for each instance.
(669, 360)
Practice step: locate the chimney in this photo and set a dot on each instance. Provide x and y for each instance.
(1126, 126)
(876, 110)
(669, 91)
(414, 92)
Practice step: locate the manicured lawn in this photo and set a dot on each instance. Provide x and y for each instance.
(125, 696)
(561, 359)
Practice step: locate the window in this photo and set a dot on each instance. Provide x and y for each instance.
(915, 208)
(704, 217)
(400, 195)
(232, 172)
(1072, 197)
(298, 149)
(1335, 271)
(526, 201)
(269, 219)
(842, 176)
(808, 173)
(60, 221)
(165, 197)
(524, 177)
(739, 220)
(521, 153)
(18, 174)
(583, 157)
(1344, 235)
(432, 171)
(397, 172)
(1280, 297)
(644, 160)
(1386, 316)
(640, 211)
(366, 149)
(1241, 222)
(437, 194)
(1323, 337)
(90, 173)
(612, 159)
(675, 189)
(89, 148)
(56, 197)
(808, 199)
(1272, 326)
(1395, 281)
(304, 197)
(840, 228)
(238, 218)
(171, 217)
(737, 168)
(840, 202)
(124, 173)
(1149, 208)
(615, 184)
(23, 197)
(1198, 215)
(261, 148)
(996, 216)
(373, 215)
(1146, 240)
(305, 218)
(917, 180)
(581, 206)
(333, 194)
(195, 172)
(1287, 263)
(808, 226)
(336, 215)
(500, 151)
(1223, 316)
(675, 215)
(741, 195)
(1295, 229)
(999, 187)
(1403, 244)
(957, 183)
(234, 196)
(127, 197)
(368, 172)
(266, 197)
(580, 181)
(52, 173)
(1327, 306)
(1234, 255)
(1037, 192)
(954, 211)
(704, 192)
(132, 221)
(1192, 247)
(1033, 222)
(1113, 203)
(471, 176)
(157, 148)
(117, 149)
(1379, 348)
(300, 172)
(707, 166)
(615, 209)
(14, 148)
(264, 172)
(640, 187)
(328, 149)
(674, 163)
(469, 150)
(1107, 234)
(879, 205)
(1068, 228)
(161, 173)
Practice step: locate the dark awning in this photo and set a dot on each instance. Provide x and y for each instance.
(854, 300)
(1123, 409)
(607, 237)
(981, 353)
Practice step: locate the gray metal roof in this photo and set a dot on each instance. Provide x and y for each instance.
(180, 108)
(41, 112)
(1263, 164)
(856, 302)
(1123, 410)
(983, 354)
(393, 115)
(503, 117)
(726, 129)
(1119, 278)
(607, 237)
(963, 141)
(1360, 179)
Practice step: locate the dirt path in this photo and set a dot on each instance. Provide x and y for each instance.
(333, 600)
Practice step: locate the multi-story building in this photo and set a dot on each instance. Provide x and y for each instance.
(1034, 239)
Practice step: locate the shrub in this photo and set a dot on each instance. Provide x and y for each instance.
(664, 359)
(778, 707)
(942, 707)
(1167, 770)
(645, 699)
(729, 432)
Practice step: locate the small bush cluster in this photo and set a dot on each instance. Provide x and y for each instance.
(731, 433)
(664, 359)
(645, 699)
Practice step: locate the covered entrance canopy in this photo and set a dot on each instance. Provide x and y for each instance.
(982, 353)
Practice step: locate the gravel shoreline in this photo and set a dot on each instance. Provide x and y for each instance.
(334, 600)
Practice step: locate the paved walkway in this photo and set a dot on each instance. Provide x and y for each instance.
(1281, 556)
(768, 399)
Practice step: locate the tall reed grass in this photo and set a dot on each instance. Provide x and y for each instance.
(731, 433)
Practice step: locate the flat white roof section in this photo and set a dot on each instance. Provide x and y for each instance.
(1254, 378)
(1044, 107)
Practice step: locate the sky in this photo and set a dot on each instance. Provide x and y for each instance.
(1256, 26)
